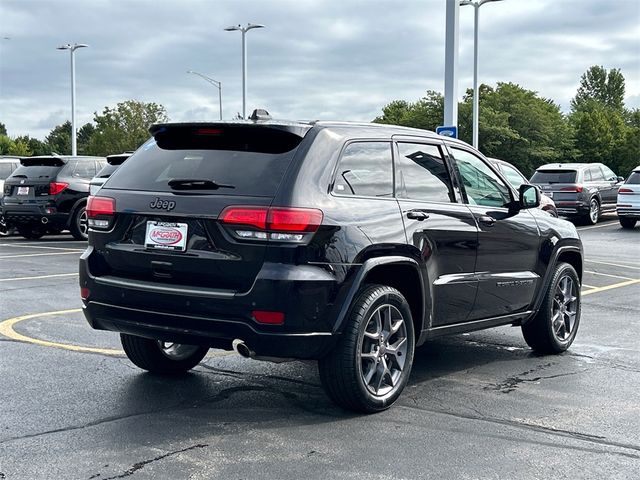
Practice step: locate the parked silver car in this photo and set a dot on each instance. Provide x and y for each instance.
(7, 165)
(628, 206)
(113, 162)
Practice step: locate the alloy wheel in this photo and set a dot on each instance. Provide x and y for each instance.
(564, 308)
(83, 224)
(384, 350)
(594, 210)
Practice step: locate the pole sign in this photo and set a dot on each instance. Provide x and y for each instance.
(447, 131)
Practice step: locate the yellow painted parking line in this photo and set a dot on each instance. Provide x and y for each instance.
(41, 254)
(37, 277)
(40, 247)
(6, 329)
(588, 286)
(633, 267)
(611, 287)
(608, 275)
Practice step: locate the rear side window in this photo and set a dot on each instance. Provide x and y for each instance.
(81, 169)
(366, 170)
(421, 173)
(5, 170)
(554, 176)
(634, 179)
(248, 172)
(596, 174)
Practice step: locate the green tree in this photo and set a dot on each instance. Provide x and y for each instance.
(84, 137)
(20, 149)
(3, 129)
(426, 113)
(124, 127)
(59, 139)
(36, 147)
(605, 88)
(6, 144)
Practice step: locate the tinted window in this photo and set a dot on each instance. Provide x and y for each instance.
(596, 174)
(5, 170)
(81, 169)
(634, 178)
(365, 169)
(482, 185)
(513, 176)
(37, 171)
(107, 170)
(251, 173)
(421, 173)
(554, 176)
(608, 174)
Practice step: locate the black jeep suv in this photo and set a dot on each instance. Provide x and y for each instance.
(48, 194)
(347, 243)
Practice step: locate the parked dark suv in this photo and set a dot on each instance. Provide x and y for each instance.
(579, 190)
(347, 243)
(48, 194)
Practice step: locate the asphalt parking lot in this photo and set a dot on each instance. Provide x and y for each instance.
(478, 405)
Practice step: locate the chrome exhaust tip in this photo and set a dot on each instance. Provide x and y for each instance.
(241, 348)
(44, 220)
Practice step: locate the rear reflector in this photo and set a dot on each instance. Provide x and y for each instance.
(268, 318)
(84, 293)
(57, 187)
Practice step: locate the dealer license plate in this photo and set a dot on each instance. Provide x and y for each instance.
(166, 236)
(23, 190)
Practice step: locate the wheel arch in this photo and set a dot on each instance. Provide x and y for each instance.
(79, 203)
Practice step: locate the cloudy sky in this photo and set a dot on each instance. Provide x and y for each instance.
(317, 59)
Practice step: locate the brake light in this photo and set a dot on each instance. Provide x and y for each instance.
(624, 190)
(576, 189)
(100, 212)
(208, 131)
(280, 224)
(57, 187)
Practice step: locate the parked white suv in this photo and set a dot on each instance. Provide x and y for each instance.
(628, 205)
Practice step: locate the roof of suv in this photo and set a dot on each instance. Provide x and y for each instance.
(566, 166)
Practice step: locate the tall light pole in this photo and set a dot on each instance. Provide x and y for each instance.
(72, 49)
(213, 82)
(244, 31)
(476, 106)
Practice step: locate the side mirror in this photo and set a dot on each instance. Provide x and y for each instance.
(529, 196)
(620, 179)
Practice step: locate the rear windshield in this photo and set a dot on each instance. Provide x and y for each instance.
(37, 171)
(554, 176)
(634, 179)
(107, 170)
(249, 172)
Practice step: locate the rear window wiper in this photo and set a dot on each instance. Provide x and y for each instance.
(19, 175)
(196, 184)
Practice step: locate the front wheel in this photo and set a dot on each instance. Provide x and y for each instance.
(629, 223)
(554, 327)
(369, 366)
(161, 357)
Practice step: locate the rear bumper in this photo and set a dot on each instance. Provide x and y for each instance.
(34, 214)
(214, 318)
(572, 209)
(633, 212)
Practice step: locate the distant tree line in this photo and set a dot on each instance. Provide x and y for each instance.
(519, 126)
(115, 130)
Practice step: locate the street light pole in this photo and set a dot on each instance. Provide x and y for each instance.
(244, 31)
(72, 49)
(476, 94)
(213, 82)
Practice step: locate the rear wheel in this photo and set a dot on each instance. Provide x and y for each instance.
(161, 357)
(594, 212)
(30, 233)
(627, 222)
(79, 227)
(4, 230)
(554, 327)
(369, 366)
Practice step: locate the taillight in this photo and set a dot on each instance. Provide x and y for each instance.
(625, 191)
(280, 224)
(57, 187)
(575, 189)
(100, 212)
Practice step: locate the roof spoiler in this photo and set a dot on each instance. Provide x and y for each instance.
(44, 160)
(118, 158)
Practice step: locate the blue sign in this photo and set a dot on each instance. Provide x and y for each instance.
(447, 131)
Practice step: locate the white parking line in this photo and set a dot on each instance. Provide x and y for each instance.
(602, 225)
(41, 254)
(608, 275)
(38, 277)
(613, 264)
(36, 247)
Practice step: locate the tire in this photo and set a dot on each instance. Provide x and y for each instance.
(161, 357)
(363, 351)
(4, 230)
(628, 223)
(554, 327)
(78, 226)
(595, 210)
(30, 233)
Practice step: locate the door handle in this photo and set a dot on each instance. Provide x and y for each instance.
(417, 215)
(486, 220)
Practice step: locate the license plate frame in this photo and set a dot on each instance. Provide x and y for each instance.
(167, 236)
